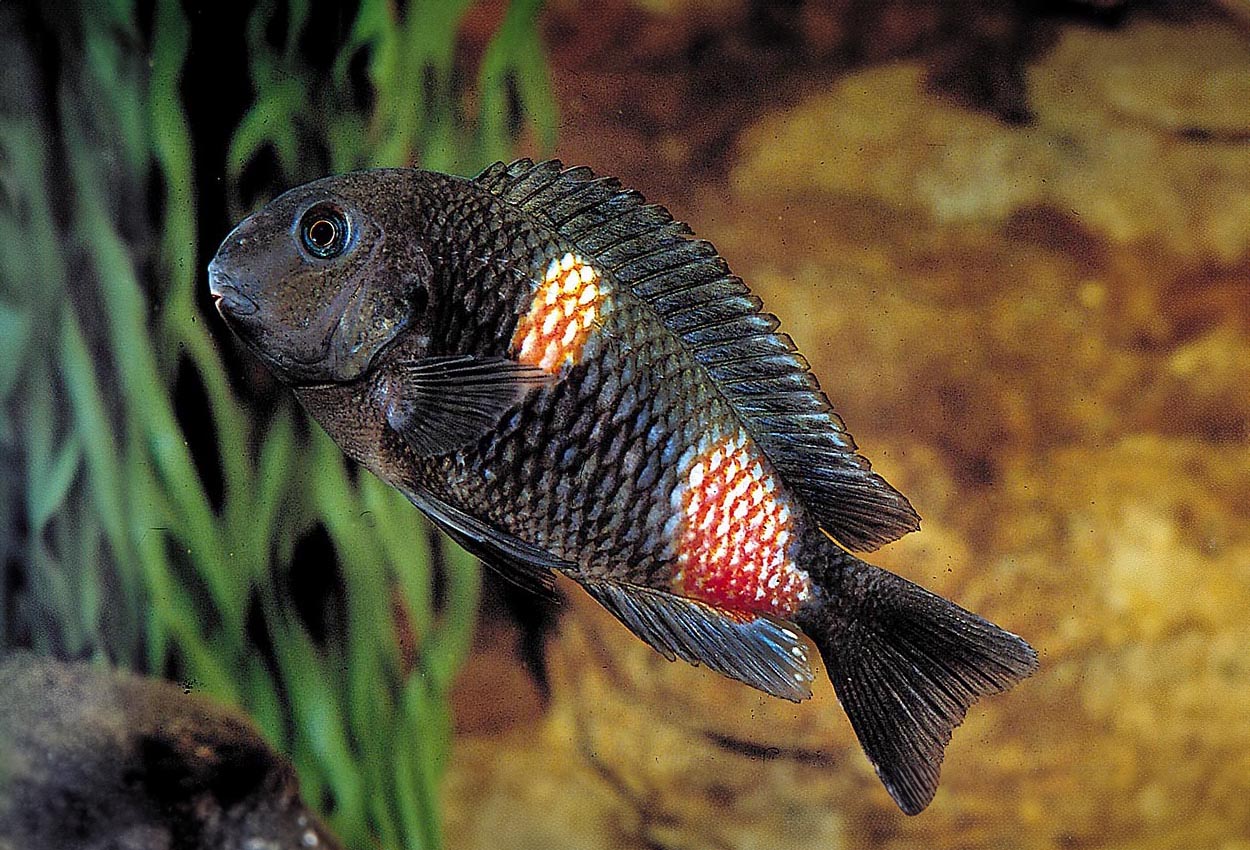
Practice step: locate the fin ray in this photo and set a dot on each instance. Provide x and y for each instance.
(511, 558)
(906, 665)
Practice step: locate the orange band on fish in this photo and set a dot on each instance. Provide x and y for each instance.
(733, 531)
(569, 303)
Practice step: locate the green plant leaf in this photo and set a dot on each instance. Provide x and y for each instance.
(48, 494)
(14, 337)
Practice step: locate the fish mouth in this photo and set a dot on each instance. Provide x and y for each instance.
(228, 299)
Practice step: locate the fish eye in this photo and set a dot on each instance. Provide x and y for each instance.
(324, 231)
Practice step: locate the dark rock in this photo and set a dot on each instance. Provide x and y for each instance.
(98, 760)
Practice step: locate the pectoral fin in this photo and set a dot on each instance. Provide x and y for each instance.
(441, 404)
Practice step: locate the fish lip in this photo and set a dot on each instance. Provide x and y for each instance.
(229, 300)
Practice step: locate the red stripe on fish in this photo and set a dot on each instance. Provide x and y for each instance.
(568, 305)
(734, 531)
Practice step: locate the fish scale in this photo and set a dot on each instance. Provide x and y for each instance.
(619, 522)
(565, 380)
(605, 495)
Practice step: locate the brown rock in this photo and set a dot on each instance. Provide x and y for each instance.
(1139, 134)
(92, 759)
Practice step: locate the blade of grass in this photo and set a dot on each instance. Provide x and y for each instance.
(404, 536)
(449, 643)
(515, 53)
(147, 399)
(104, 478)
(319, 721)
(49, 492)
(14, 336)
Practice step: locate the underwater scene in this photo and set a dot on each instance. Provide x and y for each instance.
(322, 522)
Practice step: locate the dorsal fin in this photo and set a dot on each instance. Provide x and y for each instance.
(692, 290)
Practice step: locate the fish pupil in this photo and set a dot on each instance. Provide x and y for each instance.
(322, 233)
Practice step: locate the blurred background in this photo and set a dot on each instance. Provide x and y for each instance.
(1012, 238)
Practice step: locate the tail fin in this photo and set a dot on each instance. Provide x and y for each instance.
(906, 664)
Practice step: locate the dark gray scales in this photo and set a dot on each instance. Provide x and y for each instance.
(586, 466)
(686, 283)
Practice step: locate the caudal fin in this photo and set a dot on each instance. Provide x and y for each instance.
(906, 664)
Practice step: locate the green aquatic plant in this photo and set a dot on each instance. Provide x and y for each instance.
(132, 531)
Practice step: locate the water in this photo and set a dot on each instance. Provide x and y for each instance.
(1040, 332)
(1015, 250)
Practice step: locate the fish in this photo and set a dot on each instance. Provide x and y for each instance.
(565, 380)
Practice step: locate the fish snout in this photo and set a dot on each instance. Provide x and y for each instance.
(229, 299)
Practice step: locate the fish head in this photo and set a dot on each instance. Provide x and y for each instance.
(323, 278)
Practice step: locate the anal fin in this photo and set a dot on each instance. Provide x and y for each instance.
(753, 649)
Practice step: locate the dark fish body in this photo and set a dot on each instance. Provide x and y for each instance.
(563, 379)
